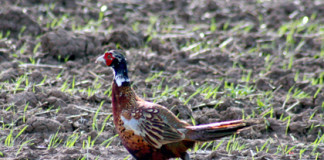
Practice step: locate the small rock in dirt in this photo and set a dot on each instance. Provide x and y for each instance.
(215, 59)
(67, 3)
(308, 64)
(251, 62)
(319, 100)
(185, 112)
(234, 73)
(276, 73)
(225, 104)
(103, 70)
(4, 43)
(98, 98)
(94, 151)
(211, 5)
(126, 38)
(279, 13)
(7, 65)
(279, 111)
(231, 113)
(43, 125)
(213, 155)
(82, 124)
(7, 116)
(302, 84)
(67, 125)
(70, 109)
(64, 44)
(144, 67)
(52, 150)
(201, 119)
(23, 98)
(61, 118)
(276, 125)
(60, 3)
(157, 46)
(28, 154)
(71, 156)
(93, 134)
(252, 132)
(263, 84)
(177, 108)
(307, 102)
(4, 54)
(73, 64)
(40, 95)
(197, 72)
(58, 94)
(157, 66)
(56, 102)
(301, 117)
(286, 82)
(36, 77)
(298, 127)
(211, 113)
(207, 115)
(71, 151)
(8, 75)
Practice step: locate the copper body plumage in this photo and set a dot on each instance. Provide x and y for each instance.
(150, 131)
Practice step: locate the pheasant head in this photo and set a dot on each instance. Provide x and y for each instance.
(117, 62)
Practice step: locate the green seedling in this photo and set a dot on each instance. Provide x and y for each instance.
(10, 139)
(71, 140)
(25, 110)
(55, 141)
(234, 145)
(288, 123)
(213, 26)
(28, 142)
(127, 157)
(316, 143)
(65, 85)
(107, 142)
(191, 96)
(154, 76)
(218, 145)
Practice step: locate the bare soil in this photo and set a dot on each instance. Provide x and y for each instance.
(61, 98)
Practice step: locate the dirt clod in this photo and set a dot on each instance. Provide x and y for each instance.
(207, 61)
(62, 44)
(125, 37)
(43, 125)
(17, 22)
(23, 98)
(59, 94)
(8, 75)
(36, 77)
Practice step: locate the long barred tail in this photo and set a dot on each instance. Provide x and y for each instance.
(212, 131)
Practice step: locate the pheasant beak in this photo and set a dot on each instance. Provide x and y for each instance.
(100, 59)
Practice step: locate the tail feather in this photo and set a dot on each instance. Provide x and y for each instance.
(212, 131)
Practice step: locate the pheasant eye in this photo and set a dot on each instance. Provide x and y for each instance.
(108, 56)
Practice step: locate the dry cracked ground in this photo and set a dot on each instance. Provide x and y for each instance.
(205, 60)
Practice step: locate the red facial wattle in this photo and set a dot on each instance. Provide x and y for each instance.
(109, 58)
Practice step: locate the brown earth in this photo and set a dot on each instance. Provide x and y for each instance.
(61, 98)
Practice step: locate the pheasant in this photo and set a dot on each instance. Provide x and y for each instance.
(150, 131)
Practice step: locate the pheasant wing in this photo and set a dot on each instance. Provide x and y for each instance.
(157, 132)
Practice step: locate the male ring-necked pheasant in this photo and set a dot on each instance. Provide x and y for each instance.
(151, 131)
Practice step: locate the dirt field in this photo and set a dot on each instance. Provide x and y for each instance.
(205, 60)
